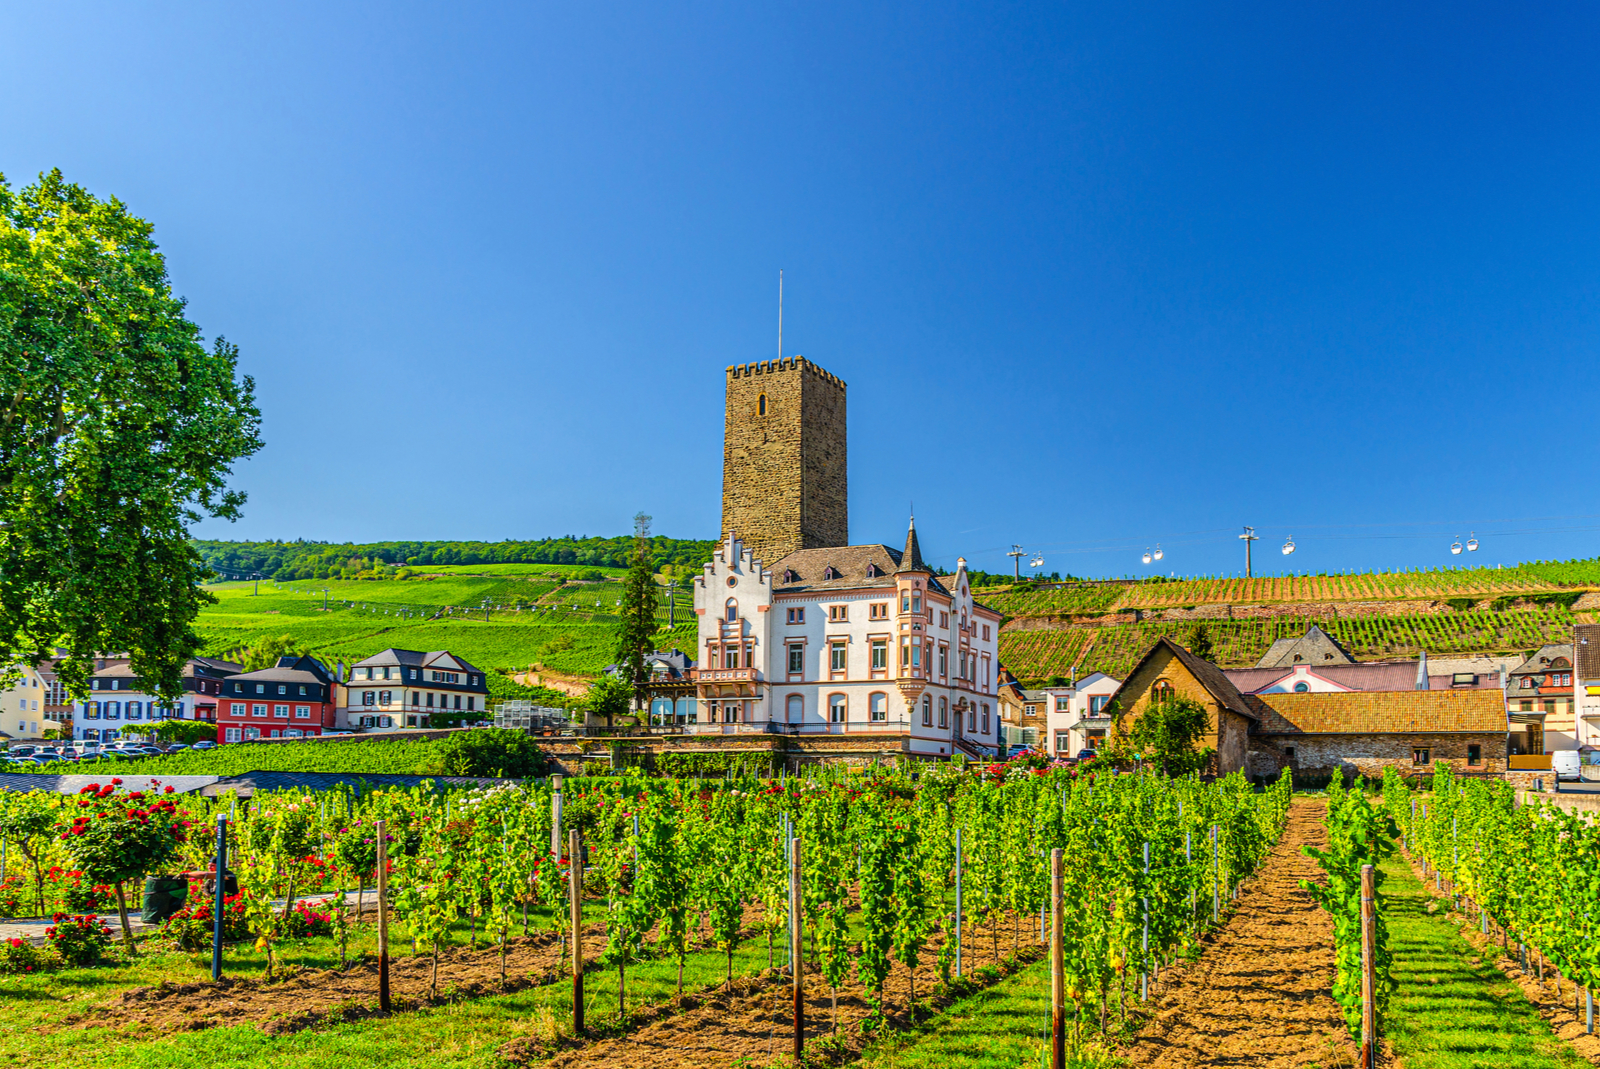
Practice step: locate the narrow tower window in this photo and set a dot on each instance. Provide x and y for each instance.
(761, 405)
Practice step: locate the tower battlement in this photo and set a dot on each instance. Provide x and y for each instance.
(784, 471)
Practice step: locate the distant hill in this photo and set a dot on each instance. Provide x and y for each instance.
(350, 560)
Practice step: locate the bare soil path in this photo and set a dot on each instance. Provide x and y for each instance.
(1259, 996)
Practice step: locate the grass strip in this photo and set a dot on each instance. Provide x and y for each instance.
(1449, 1013)
(1000, 1027)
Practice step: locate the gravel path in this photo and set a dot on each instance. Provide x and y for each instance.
(1260, 994)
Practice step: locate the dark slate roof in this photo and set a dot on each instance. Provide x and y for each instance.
(849, 562)
(1549, 652)
(442, 659)
(322, 781)
(911, 557)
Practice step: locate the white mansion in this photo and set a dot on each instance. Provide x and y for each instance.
(842, 640)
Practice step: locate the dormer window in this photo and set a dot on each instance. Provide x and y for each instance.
(872, 571)
(789, 576)
(830, 572)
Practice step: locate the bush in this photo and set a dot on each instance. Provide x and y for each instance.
(193, 927)
(20, 956)
(715, 764)
(78, 940)
(12, 890)
(491, 752)
(310, 919)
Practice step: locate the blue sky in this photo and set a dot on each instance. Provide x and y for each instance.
(1096, 278)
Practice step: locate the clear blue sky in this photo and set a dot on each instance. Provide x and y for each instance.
(1098, 276)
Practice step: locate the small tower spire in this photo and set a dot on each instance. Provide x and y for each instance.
(911, 559)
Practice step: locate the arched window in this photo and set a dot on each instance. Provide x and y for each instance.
(927, 711)
(878, 707)
(985, 728)
(761, 405)
(838, 709)
(795, 709)
(1161, 692)
(944, 713)
(1301, 688)
(733, 609)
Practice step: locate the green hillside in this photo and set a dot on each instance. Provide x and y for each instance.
(531, 620)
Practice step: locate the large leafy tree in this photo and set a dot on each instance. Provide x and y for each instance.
(118, 428)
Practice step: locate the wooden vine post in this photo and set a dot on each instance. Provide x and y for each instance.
(795, 949)
(383, 922)
(1058, 976)
(1369, 1023)
(575, 887)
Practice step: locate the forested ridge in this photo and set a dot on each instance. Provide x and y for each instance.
(301, 559)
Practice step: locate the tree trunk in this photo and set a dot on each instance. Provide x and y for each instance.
(730, 967)
(288, 901)
(435, 980)
(680, 973)
(127, 929)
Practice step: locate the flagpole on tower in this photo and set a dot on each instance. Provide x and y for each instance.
(780, 314)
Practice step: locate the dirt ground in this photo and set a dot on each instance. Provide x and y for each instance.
(1259, 996)
(279, 1006)
(752, 1023)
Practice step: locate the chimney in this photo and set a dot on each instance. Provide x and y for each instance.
(1422, 671)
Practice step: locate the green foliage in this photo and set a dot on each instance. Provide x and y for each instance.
(320, 560)
(491, 752)
(638, 610)
(714, 764)
(1533, 869)
(28, 823)
(187, 732)
(333, 755)
(121, 428)
(20, 956)
(1165, 734)
(1359, 833)
(78, 941)
(609, 698)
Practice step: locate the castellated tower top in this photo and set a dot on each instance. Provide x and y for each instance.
(784, 479)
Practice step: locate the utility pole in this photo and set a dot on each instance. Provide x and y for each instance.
(324, 599)
(1248, 536)
(257, 578)
(1016, 554)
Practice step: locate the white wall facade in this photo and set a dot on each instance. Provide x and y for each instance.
(891, 655)
(1082, 724)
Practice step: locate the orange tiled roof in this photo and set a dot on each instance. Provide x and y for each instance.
(1368, 712)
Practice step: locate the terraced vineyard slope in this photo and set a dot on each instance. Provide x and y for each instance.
(1088, 627)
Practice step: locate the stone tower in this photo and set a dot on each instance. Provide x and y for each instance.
(784, 481)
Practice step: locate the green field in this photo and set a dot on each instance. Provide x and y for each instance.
(528, 620)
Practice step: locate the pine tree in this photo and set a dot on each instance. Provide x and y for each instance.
(638, 610)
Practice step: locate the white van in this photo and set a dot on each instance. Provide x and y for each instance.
(1565, 765)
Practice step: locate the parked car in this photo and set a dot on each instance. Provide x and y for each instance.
(204, 744)
(1085, 755)
(1566, 764)
(177, 747)
(21, 751)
